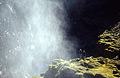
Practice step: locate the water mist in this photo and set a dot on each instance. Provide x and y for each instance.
(32, 34)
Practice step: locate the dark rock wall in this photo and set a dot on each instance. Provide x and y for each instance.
(110, 41)
(88, 19)
(90, 68)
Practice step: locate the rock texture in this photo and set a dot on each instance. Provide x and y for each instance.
(88, 19)
(77, 68)
(110, 39)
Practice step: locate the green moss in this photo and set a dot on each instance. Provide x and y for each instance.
(111, 38)
(76, 68)
(37, 77)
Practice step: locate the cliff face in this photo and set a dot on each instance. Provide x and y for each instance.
(88, 19)
(90, 68)
(110, 40)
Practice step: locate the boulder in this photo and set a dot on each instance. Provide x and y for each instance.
(78, 68)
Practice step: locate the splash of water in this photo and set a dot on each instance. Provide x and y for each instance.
(32, 34)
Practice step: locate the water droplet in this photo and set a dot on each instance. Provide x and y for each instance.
(9, 51)
(32, 46)
(7, 33)
(4, 19)
(0, 72)
(18, 41)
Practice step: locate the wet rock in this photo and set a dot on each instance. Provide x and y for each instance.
(101, 62)
(78, 68)
(37, 77)
(42, 74)
(113, 66)
(99, 76)
(110, 39)
(117, 76)
(88, 75)
(118, 66)
(115, 71)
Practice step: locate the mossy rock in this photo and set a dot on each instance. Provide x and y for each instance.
(37, 77)
(111, 38)
(111, 41)
(78, 68)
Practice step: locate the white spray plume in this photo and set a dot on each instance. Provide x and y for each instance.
(32, 35)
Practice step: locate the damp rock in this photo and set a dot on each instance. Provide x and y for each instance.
(78, 68)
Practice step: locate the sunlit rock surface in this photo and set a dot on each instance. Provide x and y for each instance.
(110, 39)
(90, 68)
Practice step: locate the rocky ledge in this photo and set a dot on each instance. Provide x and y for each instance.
(78, 68)
(110, 39)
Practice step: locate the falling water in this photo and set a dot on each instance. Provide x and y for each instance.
(32, 34)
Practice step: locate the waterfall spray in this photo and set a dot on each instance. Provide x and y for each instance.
(32, 34)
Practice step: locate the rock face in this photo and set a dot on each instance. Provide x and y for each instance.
(90, 68)
(110, 39)
(88, 19)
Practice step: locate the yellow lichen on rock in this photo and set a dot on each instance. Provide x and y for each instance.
(77, 68)
(111, 38)
(37, 77)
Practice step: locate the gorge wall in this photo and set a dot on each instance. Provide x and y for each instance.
(88, 19)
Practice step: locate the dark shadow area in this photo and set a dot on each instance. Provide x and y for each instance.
(87, 75)
(88, 19)
(87, 65)
(99, 76)
(118, 66)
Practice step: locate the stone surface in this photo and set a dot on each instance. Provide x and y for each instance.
(110, 39)
(88, 19)
(78, 68)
